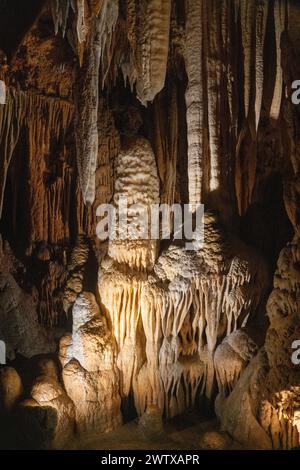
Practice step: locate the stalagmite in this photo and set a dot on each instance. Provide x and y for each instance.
(279, 18)
(231, 358)
(136, 183)
(261, 24)
(47, 392)
(194, 99)
(247, 17)
(89, 368)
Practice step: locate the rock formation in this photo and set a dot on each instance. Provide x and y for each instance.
(159, 105)
(89, 372)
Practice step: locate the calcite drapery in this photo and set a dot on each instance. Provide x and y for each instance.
(183, 309)
(11, 116)
(263, 408)
(44, 131)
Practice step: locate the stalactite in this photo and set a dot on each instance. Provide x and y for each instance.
(60, 14)
(54, 120)
(194, 98)
(247, 18)
(279, 18)
(165, 141)
(12, 115)
(228, 52)
(153, 46)
(88, 86)
(261, 24)
(107, 22)
(214, 71)
(131, 17)
(81, 27)
(86, 120)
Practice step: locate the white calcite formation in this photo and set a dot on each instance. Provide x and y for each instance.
(247, 11)
(153, 30)
(90, 376)
(194, 98)
(214, 74)
(168, 323)
(87, 139)
(261, 25)
(279, 18)
(136, 182)
(262, 411)
(76, 269)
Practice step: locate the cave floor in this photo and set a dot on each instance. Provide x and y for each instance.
(180, 434)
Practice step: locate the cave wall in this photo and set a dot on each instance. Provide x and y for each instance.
(163, 101)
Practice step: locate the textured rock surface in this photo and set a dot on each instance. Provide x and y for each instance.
(19, 326)
(11, 388)
(137, 181)
(89, 371)
(47, 392)
(195, 300)
(151, 423)
(212, 440)
(159, 101)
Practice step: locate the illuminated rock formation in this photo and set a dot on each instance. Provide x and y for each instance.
(149, 102)
(89, 371)
(47, 392)
(194, 99)
(183, 309)
(137, 183)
